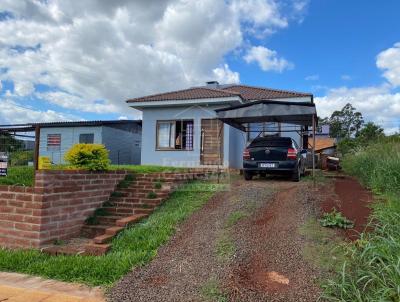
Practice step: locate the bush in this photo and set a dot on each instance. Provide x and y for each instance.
(336, 219)
(21, 158)
(93, 157)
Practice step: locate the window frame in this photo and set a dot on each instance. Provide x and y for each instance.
(157, 148)
(79, 138)
(53, 148)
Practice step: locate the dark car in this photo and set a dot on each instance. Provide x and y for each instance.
(273, 155)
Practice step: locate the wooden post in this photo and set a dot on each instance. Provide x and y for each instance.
(37, 145)
(313, 148)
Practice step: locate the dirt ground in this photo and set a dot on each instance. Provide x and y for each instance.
(243, 245)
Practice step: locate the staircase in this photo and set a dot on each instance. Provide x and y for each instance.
(135, 198)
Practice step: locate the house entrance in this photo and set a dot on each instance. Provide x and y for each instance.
(211, 145)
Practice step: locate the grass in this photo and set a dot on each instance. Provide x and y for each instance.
(225, 247)
(372, 271)
(211, 291)
(133, 247)
(234, 217)
(18, 176)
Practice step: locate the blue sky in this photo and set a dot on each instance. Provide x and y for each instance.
(68, 60)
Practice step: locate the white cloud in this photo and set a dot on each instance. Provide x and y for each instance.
(313, 77)
(114, 50)
(12, 112)
(376, 103)
(389, 61)
(224, 75)
(267, 59)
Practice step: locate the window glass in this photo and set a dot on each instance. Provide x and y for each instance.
(53, 142)
(177, 135)
(86, 138)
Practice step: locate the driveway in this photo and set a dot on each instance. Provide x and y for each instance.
(243, 245)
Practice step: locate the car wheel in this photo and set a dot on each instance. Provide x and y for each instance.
(247, 175)
(296, 175)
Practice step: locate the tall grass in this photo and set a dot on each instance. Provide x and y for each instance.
(372, 271)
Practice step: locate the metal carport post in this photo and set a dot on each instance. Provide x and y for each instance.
(297, 113)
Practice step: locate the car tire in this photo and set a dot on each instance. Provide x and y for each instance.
(296, 174)
(247, 175)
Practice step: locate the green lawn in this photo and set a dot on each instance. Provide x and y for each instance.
(135, 246)
(19, 176)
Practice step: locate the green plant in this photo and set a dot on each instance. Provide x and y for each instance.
(19, 176)
(92, 220)
(211, 291)
(116, 194)
(130, 177)
(93, 157)
(225, 248)
(123, 184)
(335, 218)
(158, 185)
(234, 217)
(151, 195)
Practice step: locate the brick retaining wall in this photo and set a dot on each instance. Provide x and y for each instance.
(55, 208)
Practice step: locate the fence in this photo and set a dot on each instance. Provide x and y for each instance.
(17, 149)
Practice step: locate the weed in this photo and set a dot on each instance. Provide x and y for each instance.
(92, 220)
(234, 217)
(336, 218)
(123, 184)
(108, 204)
(151, 195)
(225, 248)
(158, 185)
(117, 194)
(59, 242)
(130, 177)
(211, 291)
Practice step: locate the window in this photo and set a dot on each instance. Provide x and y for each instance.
(53, 142)
(86, 138)
(175, 135)
(263, 129)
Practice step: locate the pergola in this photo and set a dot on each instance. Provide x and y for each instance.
(296, 113)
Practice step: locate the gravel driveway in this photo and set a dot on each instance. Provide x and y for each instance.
(243, 245)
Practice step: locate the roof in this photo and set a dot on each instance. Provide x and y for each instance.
(298, 113)
(30, 127)
(186, 94)
(243, 91)
(260, 93)
(322, 143)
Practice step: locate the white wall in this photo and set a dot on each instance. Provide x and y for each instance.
(175, 157)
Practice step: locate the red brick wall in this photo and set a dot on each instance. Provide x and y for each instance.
(55, 208)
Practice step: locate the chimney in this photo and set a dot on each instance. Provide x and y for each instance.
(212, 84)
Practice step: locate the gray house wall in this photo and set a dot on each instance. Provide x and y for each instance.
(184, 158)
(122, 145)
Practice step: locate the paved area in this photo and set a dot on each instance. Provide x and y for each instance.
(22, 288)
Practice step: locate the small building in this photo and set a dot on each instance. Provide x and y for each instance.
(180, 128)
(122, 138)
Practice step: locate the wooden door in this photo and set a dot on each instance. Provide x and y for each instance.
(212, 138)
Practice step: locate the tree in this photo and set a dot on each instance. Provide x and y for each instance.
(345, 123)
(370, 132)
(9, 144)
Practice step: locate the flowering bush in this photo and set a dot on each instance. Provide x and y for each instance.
(93, 157)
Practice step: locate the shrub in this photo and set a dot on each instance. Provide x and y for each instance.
(93, 157)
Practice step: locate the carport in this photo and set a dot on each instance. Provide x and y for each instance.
(296, 113)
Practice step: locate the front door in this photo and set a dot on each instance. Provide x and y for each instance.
(212, 137)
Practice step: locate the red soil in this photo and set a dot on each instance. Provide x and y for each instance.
(350, 198)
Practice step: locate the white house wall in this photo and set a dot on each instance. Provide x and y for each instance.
(69, 137)
(177, 158)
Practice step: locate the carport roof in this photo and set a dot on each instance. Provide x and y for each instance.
(298, 113)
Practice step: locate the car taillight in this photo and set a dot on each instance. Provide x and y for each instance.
(246, 154)
(291, 153)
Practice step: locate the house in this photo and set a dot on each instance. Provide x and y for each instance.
(180, 127)
(122, 138)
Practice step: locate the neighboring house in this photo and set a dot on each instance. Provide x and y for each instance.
(180, 127)
(324, 145)
(122, 139)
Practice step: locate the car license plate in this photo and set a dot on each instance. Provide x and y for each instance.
(268, 165)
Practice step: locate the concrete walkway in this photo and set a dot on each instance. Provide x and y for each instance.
(23, 288)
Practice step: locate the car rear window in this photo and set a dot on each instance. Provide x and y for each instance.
(271, 142)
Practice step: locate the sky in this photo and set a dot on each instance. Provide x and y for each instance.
(80, 60)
